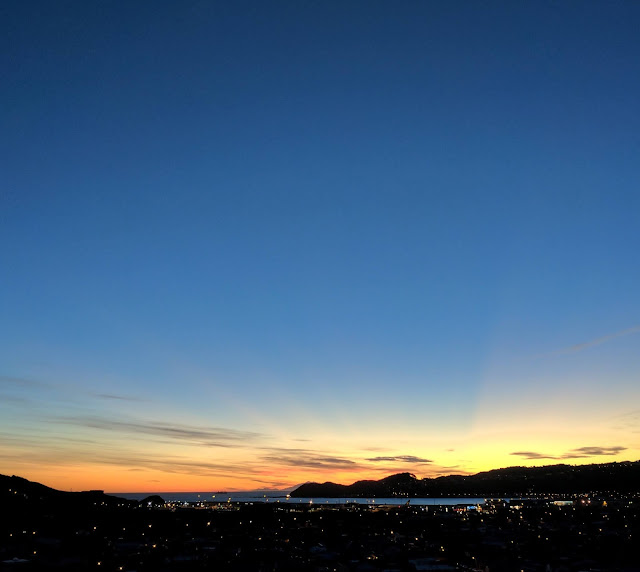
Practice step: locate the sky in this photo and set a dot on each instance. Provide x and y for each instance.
(248, 244)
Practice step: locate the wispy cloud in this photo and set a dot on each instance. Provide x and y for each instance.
(579, 453)
(309, 459)
(399, 458)
(530, 455)
(11, 381)
(112, 396)
(131, 460)
(452, 470)
(207, 436)
(5, 398)
(628, 422)
(595, 451)
(47, 440)
(181, 465)
(16, 383)
(597, 341)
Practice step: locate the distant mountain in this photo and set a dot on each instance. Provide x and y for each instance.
(152, 501)
(512, 481)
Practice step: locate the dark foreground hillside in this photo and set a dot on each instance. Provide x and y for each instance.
(534, 536)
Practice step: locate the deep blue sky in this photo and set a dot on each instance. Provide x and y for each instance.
(398, 202)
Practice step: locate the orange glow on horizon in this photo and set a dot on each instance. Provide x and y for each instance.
(121, 480)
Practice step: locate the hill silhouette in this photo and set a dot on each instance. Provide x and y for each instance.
(19, 494)
(621, 477)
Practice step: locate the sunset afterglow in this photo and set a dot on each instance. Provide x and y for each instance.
(246, 245)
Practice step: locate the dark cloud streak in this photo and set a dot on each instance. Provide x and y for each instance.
(311, 460)
(207, 436)
(579, 453)
(399, 458)
(114, 397)
(21, 382)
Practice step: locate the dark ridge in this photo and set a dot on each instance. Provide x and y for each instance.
(621, 477)
(19, 494)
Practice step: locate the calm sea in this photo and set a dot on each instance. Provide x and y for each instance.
(254, 497)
